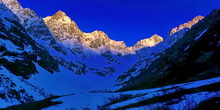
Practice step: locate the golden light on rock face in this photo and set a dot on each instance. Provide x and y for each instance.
(152, 41)
(187, 25)
(66, 30)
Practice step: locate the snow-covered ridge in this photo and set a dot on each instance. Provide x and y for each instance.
(148, 55)
(67, 32)
(187, 25)
(38, 31)
(152, 41)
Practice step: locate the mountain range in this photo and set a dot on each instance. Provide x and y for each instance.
(47, 59)
(67, 32)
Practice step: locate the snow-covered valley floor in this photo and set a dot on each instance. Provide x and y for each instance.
(76, 96)
(180, 96)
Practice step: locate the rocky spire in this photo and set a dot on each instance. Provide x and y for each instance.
(186, 25)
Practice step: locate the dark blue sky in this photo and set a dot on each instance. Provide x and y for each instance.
(127, 20)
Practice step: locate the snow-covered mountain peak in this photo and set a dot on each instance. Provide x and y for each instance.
(60, 15)
(13, 5)
(63, 28)
(187, 25)
(156, 38)
(150, 42)
(24, 14)
(95, 35)
(67, 32)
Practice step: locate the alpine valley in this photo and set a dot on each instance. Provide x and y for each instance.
(49, 63)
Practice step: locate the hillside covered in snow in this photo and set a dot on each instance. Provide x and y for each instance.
(49, 63)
